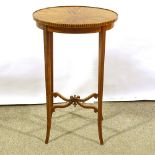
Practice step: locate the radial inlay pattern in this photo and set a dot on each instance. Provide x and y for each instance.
(75, 16)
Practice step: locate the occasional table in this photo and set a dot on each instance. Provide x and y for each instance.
(73, 19)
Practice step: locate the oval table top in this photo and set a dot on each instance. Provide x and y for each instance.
(75, 19)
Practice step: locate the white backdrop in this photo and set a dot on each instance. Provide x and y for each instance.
(130, 57)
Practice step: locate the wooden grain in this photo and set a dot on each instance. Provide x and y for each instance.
(102, 36)
(48, 53)
(74, 18)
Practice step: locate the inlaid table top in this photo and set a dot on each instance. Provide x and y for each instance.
(75, 17)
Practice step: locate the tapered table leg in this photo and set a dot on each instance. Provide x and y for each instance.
(102, 35)
(48, 53)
